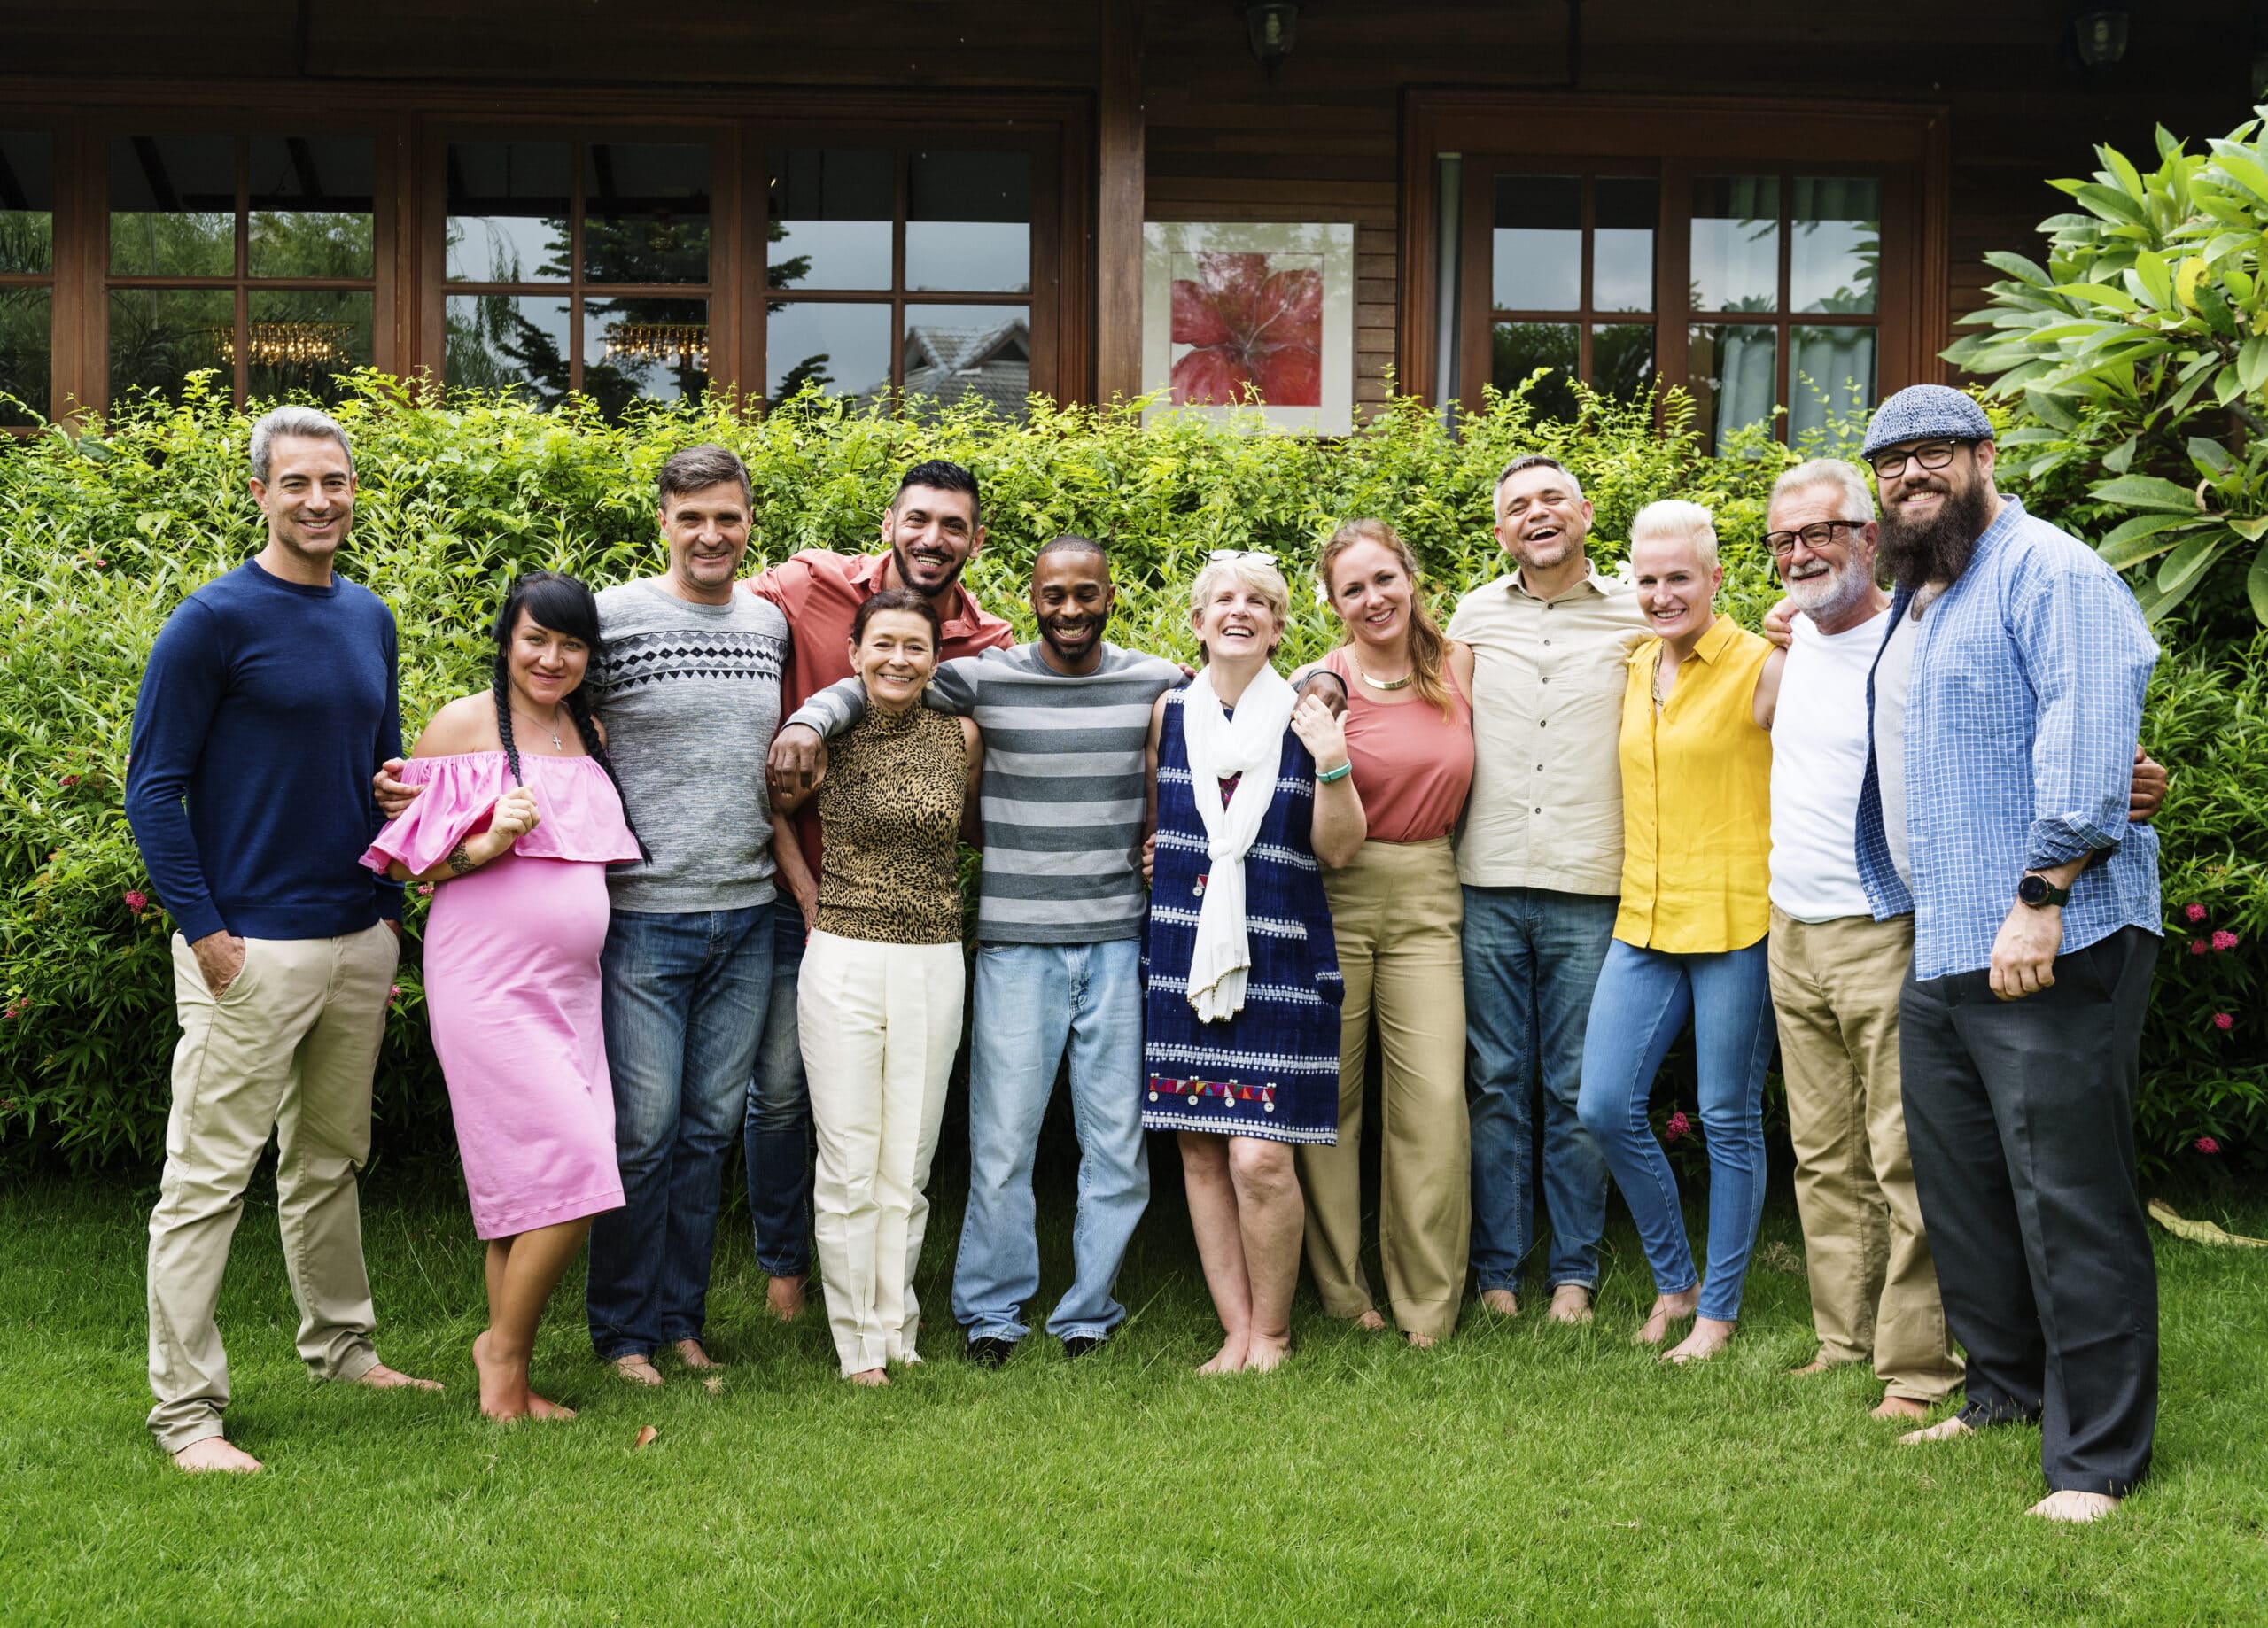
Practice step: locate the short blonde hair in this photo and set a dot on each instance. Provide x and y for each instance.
(1250, 571)
(1676, 518)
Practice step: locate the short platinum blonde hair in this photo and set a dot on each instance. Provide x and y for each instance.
(1676, 518)
(1249, 571)
(301, 422)
(1829, 472)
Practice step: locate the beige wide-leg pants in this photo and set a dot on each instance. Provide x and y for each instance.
(879, 1025)
(289, 1047)
(1874, 1287)
(1396, 912)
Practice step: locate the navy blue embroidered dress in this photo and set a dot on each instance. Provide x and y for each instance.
(1271, 1070)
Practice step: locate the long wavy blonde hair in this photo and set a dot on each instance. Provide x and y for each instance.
(1429, 647)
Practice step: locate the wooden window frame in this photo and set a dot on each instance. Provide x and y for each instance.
(52, 279)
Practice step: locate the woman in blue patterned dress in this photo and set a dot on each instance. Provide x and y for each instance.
(1240, 1049)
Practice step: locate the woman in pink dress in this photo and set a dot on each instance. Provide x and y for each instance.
(518, 818)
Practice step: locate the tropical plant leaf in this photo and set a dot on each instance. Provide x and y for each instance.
(2016, 266)
(2147, 492)
(2143, 538)
(2189, 562)
(2256, 583)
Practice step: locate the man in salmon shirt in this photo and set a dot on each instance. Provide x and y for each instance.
(931, 529)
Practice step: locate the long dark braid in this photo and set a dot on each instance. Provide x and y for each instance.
(587, 727)
(502, 685)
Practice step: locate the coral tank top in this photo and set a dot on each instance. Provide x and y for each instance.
(1412, 766)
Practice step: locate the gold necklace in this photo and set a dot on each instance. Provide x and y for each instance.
(1403, 683)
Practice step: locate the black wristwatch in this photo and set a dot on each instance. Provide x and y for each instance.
(2039, 892)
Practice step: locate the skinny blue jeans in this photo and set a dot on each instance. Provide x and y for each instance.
(776, 1133)
(1032, 1001)
(1644, 999)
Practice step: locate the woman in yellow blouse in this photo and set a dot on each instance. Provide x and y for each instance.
(1689, 940)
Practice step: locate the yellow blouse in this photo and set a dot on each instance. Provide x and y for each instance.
(1696, 788)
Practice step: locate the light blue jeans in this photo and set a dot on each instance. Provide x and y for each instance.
(1031, 1002)
(1644, 999)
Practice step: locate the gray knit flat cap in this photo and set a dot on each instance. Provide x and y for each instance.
(1924, 413)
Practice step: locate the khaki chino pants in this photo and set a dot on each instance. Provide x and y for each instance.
(1395, 913)
(289, 1047)
(1873, 1286)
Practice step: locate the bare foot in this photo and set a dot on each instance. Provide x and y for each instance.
(503, 1382)
(1710, 1336)
(1943, 1430)
(544, 1407)
(383, 1378)
(1503, 1302)
(690, 1353)
(1571, 1304)
(1229, 1358)
(215, 1453)
(1419, 1342)
(1900, 1408)
(2078, 1507)
(1669, 1308)
(1817, 1365)
(868, 1376)
(1371, 1322)
(638, 1370)
(785, 1297)
(1265, 1353)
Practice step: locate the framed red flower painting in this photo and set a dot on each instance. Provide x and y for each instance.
(1250, 321)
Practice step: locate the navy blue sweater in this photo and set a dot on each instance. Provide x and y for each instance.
(265, 709)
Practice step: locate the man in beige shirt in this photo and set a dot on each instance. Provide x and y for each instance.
(1541, 859)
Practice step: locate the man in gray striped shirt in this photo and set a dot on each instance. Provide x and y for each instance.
(1059, 917)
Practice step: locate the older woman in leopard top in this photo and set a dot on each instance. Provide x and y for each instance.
(879, 1006)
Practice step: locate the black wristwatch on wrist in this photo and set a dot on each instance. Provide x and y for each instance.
(2037, 891)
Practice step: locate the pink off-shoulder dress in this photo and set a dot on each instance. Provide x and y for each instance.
(512, 982)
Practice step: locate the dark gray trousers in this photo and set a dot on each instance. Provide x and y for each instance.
(2021, 1118)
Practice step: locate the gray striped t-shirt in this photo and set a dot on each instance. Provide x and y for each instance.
(1063, 786)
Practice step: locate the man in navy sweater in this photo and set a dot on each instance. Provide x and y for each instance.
(268, 700)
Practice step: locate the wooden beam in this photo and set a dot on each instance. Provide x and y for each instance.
(1118, 215)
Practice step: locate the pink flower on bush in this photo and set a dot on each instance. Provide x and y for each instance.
(136, 900)
(393, 993)
(1678, 1126)
(69, 780)
(425, 887)
(2222, 939)
(2195, 913)
(15, 1010)
(2196, 946)
(2223, 1021)
(2206, 1145)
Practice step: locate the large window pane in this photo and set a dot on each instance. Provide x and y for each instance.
(842, 349)
(160, 336)
(1537, 246)
(657, 350)
(645, 213)
(954, 352)
(1833, 371)
(1520, 348)
(1622, 359)
(508, 342)
(173, 205)
(301, 337)
(312, 206)
(832, 211)
(1623, 212)
(27, 323)
(968, 220)
(27, 205)
(1834, 253)
(1730, 369)
(1736, 242)
(508, 209)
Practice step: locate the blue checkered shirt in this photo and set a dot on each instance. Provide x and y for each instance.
(2027, 700)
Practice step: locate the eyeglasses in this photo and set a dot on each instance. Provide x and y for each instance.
(1823, 535)
(1928, 455)
(1219, 554)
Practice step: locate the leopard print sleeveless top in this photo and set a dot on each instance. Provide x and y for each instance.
(889, 812)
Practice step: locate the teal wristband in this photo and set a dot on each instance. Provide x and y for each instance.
(1329, 777)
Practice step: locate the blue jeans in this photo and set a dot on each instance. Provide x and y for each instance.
(777, 1133)
(1644, 997)
(683, 998)
(1530, 958)
(1031, 1001)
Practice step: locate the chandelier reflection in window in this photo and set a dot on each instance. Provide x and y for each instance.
(672, 344)
(287, 344)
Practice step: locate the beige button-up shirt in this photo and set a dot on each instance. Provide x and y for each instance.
(1546, 807)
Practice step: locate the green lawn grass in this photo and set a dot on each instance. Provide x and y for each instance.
(1519, 1471)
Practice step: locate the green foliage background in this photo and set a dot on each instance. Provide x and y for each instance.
(102, 534)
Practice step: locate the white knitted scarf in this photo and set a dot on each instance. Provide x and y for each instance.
(1250, 744)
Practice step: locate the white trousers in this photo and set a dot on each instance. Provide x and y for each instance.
(879, 1025)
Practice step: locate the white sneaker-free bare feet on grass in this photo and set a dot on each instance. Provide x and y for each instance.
(1229, 1358)
(1371, 1322)
(785, 1297)
(383, 1378)
(215, 1453)
(693, 1355)
(2074, 1507)
(1571, 1304)
(1419, 1342)
(868, 1376)
(638, 1370)
(1900, 1408)
(1669, 1308)
(1500, 1302)
(1943, 1430)
(1710, 1336)
(1265, 1353)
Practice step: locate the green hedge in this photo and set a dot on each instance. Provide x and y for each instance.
(104, 532)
